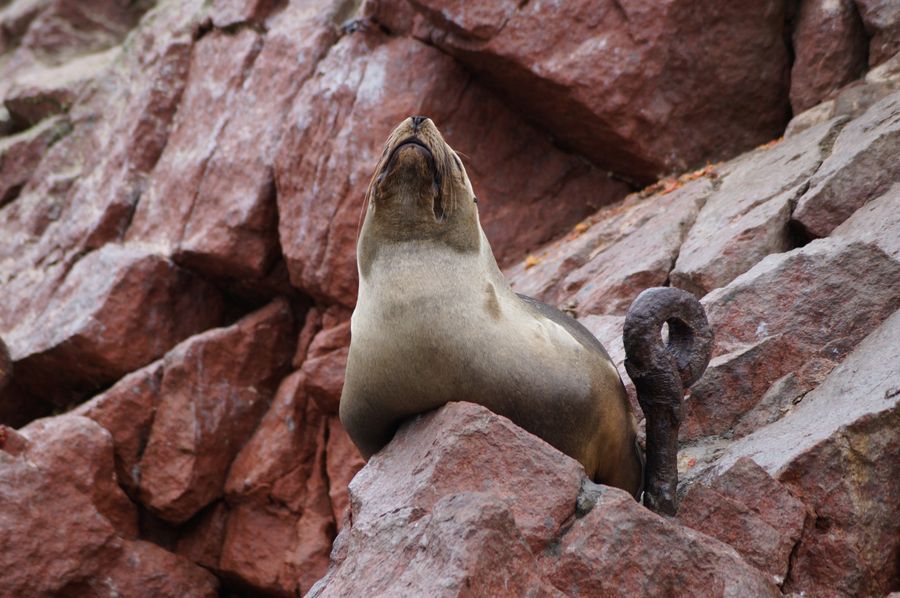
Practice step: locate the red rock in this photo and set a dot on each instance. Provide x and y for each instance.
(324, 378)
(201, 539)
(68, 546)
(43, 91)
(876, 222)
(882, 21)
(214, 390)
(346, 111)
(127, 410)
(232, 227)
(468, 544)
(463, 447)
(817, 302)
(219, 64)
(746, 217)
(118, 309)
(862, 166)
(829, 51)
(837, 451)
(342, 463)
(280, 524)
(20, 155)
(52, 442)
(747, 509)
(623, 548)
(14, 21)
(622, 82)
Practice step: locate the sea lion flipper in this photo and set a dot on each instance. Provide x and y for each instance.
(661, 373)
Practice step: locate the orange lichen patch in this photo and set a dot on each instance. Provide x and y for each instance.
(532, 261)
(770, 144)
(671, 183)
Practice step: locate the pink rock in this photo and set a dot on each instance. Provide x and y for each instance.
(876, 222)
(465, 447)
(746, 508)
(280, 525)
(214, 390)
(882, 21)
(118, 309)
(20, 155)
(232, 227)
(621, 82)
(603, 270)
(837, 451)
(746, 217)
(622, 548)
(861, 167)
(347, 109)
(127, 411)
(342, 463)
(72, 544)
(817, 302)
(829, 51)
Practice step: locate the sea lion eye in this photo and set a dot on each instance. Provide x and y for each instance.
(474, 199)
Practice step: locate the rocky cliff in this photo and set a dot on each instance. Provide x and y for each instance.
(180, 188)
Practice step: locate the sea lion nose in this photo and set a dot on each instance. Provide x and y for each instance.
(418, 120)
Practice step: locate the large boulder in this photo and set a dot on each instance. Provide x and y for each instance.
(622, 81)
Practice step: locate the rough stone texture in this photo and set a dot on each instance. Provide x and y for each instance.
(281, 524)
(621, 547)
(20, 155)
(862, 166)
(118, 309)
(74, 543)
(746, 508)
(214, 390)
(746, 218)
(837, 451)
(622, 81)
(817, 302)
(830, 49)
(876, 222)
(359, 92)
(605, 264)
(127, 411)
(882, 21)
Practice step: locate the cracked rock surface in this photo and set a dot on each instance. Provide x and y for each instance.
(180, 190)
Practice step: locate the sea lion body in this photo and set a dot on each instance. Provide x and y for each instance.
(436, 321)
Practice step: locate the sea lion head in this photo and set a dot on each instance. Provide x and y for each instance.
(420, 191)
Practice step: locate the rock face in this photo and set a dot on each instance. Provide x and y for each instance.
(620, 82)
(467, 515)
(180, 190)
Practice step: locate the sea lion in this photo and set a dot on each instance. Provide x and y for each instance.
(435, 321)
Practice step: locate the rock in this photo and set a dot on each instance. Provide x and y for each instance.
(324, 378)
(882, 21)
(810, 117)
(861, 167)
(214, 390)
(43, 91)
(747, 509)
(622, 82)
(746, 218)
(662, 557)
(623, 251)
(342, 463)
(837, 451)
(816, 302)
(460, 498)
(20, 155)
(876, 222)
(127, 411)
(830, 49)
(72, 544)
(200, 540)
(347, 109)
(280, 526)
(118, 309)
(227, 216)
(467, 542)
(52, 444)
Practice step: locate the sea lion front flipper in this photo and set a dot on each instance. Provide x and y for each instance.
(661, 373)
